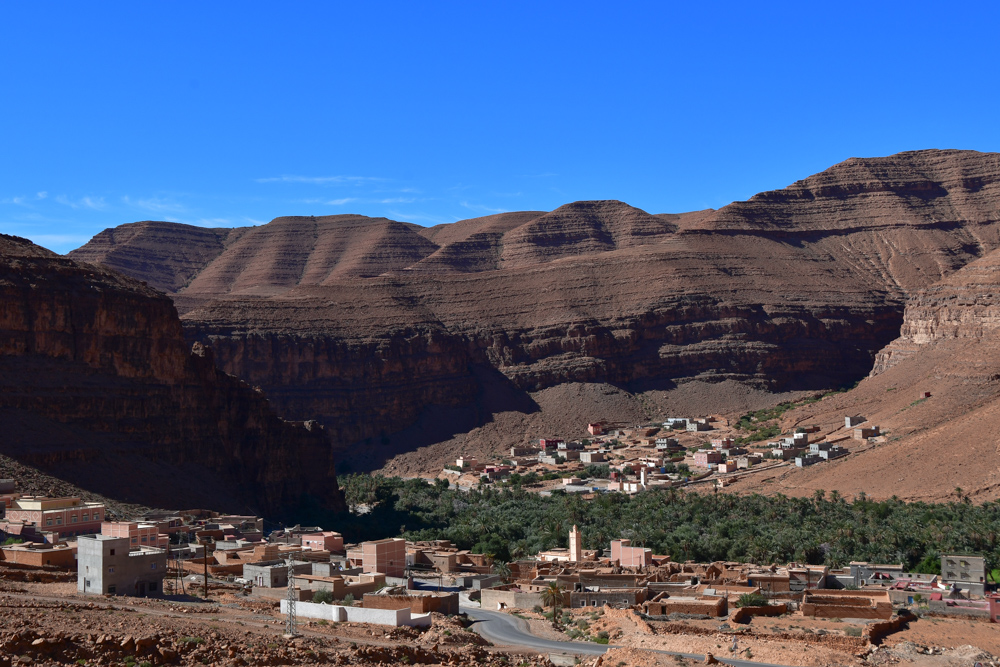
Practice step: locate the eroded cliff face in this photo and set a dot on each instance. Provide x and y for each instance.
(98, 385)
(365, 323)
(966, 305)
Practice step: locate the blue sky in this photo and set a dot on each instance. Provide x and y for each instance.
(230, 114)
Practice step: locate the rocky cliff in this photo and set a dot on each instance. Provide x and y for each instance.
(796, 288)
(99, 386)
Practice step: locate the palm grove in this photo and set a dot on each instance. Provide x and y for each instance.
(510, 523)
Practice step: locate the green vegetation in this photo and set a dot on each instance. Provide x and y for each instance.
(752, 600)
(192, 640)
(321, 597)
(512, 523)
(12, 540)
(760, 423)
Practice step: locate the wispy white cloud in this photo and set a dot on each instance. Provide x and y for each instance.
(340, 202)
(96, 203)
(420, 217)
(482, 209)
(321, 180)
(41, 195)
(547, 174)
(252, 221)
(155, 204)
(398, 200)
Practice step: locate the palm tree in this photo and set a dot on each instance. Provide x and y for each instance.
(553, 597)
(502, 570)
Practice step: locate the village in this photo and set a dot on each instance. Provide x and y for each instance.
(305, 580)
(679, 451)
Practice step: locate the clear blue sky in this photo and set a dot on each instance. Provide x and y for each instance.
(228, 114)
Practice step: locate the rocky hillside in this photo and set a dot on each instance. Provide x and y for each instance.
(99, 387)
(370, 323)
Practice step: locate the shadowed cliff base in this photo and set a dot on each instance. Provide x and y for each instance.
(566, 409)
(98, 386)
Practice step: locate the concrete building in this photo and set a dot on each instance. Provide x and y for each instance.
(387, 556)
(273, 574)
(109, 566)
(696, 426)
(571, 446)
(705, 458)
(40, 555)
(851, 422)
(324, 541)
(626, 555)
(966, 572)
(139, 534)
(592, 457)
(66, 517)
(598, 596)
(865, 433)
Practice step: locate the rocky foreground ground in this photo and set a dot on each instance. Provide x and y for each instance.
(46, 623)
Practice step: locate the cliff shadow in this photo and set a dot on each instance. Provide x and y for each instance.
(438, 423)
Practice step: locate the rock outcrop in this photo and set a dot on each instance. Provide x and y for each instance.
(98, 385)
(797, 288)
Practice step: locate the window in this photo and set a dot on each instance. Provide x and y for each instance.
(112, 552)
(593, 603)
(134, 538)
(86, 582)
(112, 590)
(152, 566)
(85, 516)
(111, 570)
(48, 522)
(72, 519)
(59, 521)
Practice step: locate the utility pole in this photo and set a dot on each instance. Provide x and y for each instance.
(206, 569)
(290, 630)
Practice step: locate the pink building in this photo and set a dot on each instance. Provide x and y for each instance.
(65, 517)
(549, 443)
(728, 466)
(386, 556)
(139, 534)
(325, 541)
(722, 443)
(626, 555)
(597, 428)
(703, 458)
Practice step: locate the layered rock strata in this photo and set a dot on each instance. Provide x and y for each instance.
(98, 384)
(366, 322)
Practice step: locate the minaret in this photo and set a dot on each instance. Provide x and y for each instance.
(575, 545)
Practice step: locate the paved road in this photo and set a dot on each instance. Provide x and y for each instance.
(502, 628)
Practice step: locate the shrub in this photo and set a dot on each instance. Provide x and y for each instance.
(752, 600)
(852, 631)
(348, 600)
(322, 597)
(537, 609)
